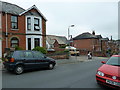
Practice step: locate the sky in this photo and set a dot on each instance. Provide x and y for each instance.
(86, 16)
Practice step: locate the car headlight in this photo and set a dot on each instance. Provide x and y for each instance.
(114, 77)
(100, 73)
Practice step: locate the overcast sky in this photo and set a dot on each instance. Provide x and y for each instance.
(87, 15)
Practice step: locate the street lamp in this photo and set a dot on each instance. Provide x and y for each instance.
(69, 30)
(69, 36)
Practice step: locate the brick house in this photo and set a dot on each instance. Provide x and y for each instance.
(87, 41)
(55, 42)
(95, 43)
(23, 28)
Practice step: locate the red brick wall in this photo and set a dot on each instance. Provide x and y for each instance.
(56, 44)
(86, 44)
(83, 44)
(13, 33)
(44, 32)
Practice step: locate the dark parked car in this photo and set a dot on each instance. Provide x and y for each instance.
(18, 61)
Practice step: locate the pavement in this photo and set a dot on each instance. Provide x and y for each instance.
(71, 60)
(75, 59)
(1, 65)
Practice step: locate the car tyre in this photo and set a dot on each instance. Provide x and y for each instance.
(19, 70)
(51, 66)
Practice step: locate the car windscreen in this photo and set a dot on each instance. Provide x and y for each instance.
(115, 61)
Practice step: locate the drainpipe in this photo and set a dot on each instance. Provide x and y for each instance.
(6, 34)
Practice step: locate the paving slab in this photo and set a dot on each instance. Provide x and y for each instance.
(75, 59)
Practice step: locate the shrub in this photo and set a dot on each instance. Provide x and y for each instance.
(18, 48)
(66, 50)
(63, 46)
(41, 49)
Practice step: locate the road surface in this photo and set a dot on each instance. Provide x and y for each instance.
(71, 75)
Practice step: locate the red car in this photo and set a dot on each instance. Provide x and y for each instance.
(109, 73)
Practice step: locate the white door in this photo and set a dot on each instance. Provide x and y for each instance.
(0, 48)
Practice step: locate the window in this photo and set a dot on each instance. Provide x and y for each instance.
(14, 22)
(28, 23)
(19, 54)
(37, 42)
(28, 54)
(36, 24)
(38, 54)
(14, 42)
(29, 43)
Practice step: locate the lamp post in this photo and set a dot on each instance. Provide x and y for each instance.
(69, 36)
(69, 30)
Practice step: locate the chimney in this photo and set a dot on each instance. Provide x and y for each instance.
(93, 33)
(111, 38)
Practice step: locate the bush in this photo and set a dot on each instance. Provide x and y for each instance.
(66, 50)
(18, 48)
(63, 46)
(41, 49)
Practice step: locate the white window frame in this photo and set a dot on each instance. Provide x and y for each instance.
(32, 31)
(32, 41)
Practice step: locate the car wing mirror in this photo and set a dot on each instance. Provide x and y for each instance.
(104, 62)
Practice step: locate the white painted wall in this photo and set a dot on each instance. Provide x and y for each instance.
(47, 45)
(32, 40)
(32, 25)
(33, 32)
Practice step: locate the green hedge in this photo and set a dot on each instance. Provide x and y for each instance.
(18, 48)
(41, 49)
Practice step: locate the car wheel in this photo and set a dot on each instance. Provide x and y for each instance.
(51, 66)
(19, 69)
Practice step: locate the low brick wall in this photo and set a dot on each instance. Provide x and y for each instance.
(95, 53)
(58, 55)
(59, 49)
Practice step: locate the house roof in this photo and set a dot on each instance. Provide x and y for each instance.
(99, 36)
(105, 39)
(11, 8)
(87, 35)
(15, 9)
(52, 38)
(33, 7)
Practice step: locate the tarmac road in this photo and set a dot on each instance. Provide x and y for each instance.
(68, 75)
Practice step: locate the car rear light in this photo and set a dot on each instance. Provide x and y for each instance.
(12, 60)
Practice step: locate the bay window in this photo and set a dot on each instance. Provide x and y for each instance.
(36, 24)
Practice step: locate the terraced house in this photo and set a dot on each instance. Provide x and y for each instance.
(20, 27)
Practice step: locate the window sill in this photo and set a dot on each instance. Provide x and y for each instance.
(37, 30)
(14, 29)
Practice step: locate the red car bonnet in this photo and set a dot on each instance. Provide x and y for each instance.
(110, 70)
